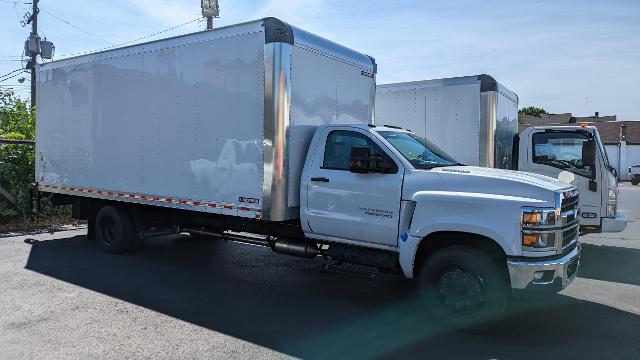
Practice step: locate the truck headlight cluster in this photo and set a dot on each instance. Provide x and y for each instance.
(538, 217)
(538, 228)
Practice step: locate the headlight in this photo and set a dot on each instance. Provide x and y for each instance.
(611, 210)
(612, 203)
(535, 217)
(535, 228)
(539, 240)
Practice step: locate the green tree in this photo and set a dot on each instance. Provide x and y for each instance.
(16, 161)
(531, 110)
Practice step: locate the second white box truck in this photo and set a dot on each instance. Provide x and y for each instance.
(262, 133)
(475, 119)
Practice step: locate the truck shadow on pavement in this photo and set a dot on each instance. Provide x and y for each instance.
(610, 263)
(288, 305)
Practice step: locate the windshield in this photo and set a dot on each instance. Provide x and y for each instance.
(564, 150)
(421, 153)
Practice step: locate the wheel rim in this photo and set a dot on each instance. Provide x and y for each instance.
(108, 231)
(460, 292)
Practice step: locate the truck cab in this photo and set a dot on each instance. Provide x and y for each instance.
(575, 155)
(381, 187)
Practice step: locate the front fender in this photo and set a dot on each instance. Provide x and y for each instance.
(494, 216)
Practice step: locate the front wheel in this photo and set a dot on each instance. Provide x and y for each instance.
(463, 287)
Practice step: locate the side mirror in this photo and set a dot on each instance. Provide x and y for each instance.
(589, 153)
(360, 159)
(383, 165)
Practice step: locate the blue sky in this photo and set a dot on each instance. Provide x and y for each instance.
(566, 56)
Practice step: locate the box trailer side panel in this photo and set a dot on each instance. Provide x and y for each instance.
(473, 118)
(448, 115)
(177, 121)
(201, 121)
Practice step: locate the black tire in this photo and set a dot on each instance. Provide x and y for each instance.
(462, 287)
(634, 182)
(114, 229)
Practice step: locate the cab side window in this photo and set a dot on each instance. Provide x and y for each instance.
(338, 148)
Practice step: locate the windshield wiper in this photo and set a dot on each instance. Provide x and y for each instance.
(563, 164)
(429, 167)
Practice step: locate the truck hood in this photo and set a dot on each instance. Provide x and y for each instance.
(510, 175)
(534, 189)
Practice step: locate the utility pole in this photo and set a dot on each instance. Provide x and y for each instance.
(34, 33)
(34, 47)
(210, 9)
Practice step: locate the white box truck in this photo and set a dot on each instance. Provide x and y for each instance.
(262, 133)
(475, 119)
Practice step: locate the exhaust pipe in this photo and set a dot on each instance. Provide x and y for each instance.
(293, 247)
(299, 248)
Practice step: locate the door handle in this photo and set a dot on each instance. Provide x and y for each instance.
(320, 179)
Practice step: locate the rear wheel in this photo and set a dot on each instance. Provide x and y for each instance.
(463, 287)
(114, 229)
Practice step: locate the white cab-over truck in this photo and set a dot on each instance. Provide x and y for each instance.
(475, 119)
(262, 133)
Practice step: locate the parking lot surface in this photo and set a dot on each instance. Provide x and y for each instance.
(61, 297)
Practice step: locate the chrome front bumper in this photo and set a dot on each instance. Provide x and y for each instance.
(555, 274)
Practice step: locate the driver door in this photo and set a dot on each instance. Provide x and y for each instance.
(352, 206)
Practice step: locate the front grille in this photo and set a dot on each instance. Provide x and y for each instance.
(569, 203)
(569, 206)
(569, 235)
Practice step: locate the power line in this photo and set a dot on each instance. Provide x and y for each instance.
(9, 76)
(11, 72)
(134, 40)
(75, 26)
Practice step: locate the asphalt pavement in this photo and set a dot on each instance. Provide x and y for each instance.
(61, 297)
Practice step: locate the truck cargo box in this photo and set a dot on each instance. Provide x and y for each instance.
(473, 118)
(216, 121)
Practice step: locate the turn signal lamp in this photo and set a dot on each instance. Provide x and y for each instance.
(541, 241)
(530, 240)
